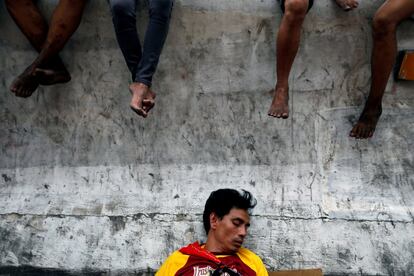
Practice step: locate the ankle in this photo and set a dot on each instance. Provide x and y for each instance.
(282, 87)
(139, 85)
(373, 108)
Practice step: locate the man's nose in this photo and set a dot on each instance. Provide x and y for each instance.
(243, 231)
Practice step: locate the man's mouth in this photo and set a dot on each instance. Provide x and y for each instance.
(238, 242)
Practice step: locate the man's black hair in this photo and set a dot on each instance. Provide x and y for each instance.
(223, 200)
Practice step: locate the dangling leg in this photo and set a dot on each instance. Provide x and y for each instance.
(142, 97)
(287, 45)
(30, 21)
(65, 20)
(384, 52)
(124, 20)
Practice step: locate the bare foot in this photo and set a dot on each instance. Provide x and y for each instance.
(52, 76)
(280, 104)
(25, 84)
(142, 100)
(367, 122)
(347, 5)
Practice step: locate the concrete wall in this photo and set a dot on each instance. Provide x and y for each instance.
(87, 186)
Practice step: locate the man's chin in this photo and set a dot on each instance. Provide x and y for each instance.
(236, 246)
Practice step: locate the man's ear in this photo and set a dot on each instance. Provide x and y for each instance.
(213, 220)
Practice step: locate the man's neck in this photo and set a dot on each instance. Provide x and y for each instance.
(216, 248)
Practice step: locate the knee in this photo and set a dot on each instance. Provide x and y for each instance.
(122, 8)
(161, 8)
(295, 10)
(383, 24)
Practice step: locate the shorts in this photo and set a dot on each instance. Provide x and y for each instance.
(282, 4)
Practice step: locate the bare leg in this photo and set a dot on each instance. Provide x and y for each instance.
(287, 47)
(388, 16)
(65, 20)
(347, 5)
(28, 18)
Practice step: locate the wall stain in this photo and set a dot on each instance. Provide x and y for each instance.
(6, 177)
(117, 223)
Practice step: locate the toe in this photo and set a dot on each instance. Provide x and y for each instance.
(370, 132)
(271, 112)
(20, 93)
(360, 133)
(364, 133)
(26, 93)
(147, 105)
(354, 132)
(139, 111)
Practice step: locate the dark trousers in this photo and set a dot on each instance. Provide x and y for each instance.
(142, 61)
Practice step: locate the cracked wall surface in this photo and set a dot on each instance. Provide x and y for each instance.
(87, 187)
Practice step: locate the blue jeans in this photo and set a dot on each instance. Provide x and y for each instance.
(142, 61)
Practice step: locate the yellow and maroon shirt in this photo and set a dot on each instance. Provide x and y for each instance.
(192, 261)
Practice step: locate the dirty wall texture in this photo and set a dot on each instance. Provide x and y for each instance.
(88, 187)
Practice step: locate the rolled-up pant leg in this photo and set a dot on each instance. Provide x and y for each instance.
(159, 21)
(282, 4)
(125, 24)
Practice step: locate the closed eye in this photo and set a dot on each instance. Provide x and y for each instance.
(239, 222)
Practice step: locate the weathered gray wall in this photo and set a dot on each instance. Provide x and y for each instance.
(86, 185)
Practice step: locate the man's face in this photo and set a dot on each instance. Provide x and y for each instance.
(230, 230)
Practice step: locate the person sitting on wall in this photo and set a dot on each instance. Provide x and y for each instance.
(384, 53)
(142, 61)
(47, 68)
(287, 45)
(226, 221)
